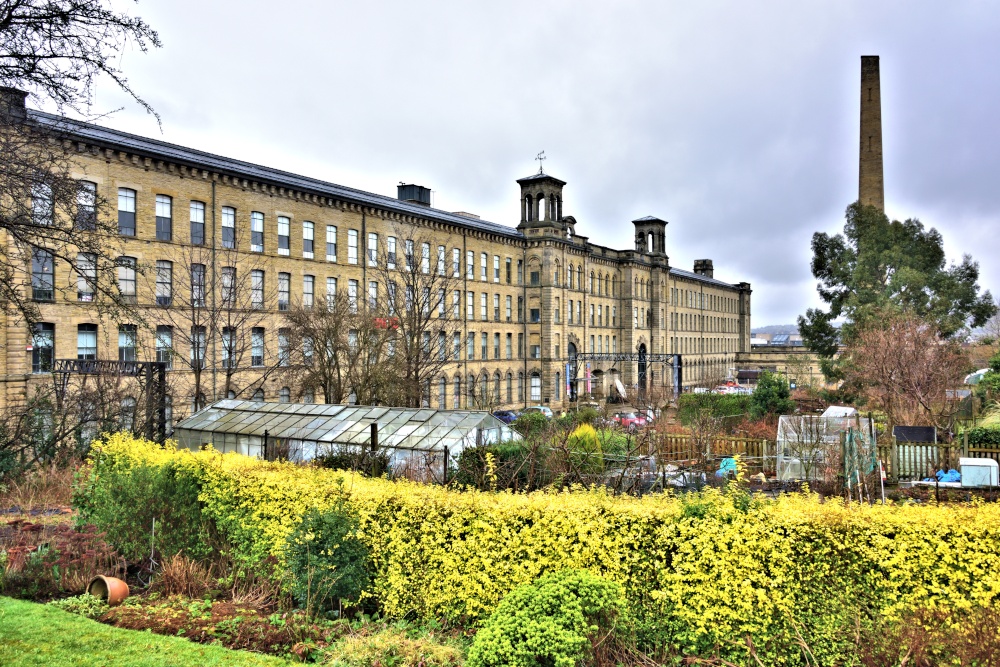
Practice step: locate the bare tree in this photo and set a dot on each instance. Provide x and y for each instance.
(422, 301)
(55, 50)
(319, 345)
(904, 368)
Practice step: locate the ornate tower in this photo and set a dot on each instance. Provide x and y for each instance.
(541, 201)
(871, 190)
(651, 236)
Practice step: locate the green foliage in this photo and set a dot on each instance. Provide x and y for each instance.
(531, 423)
(364, 461)
(393, 647)
(990, 382)
(877, 266)
(327, 561)
(984, 435)
(473, 465)
(691, 406)
(85, 605)
(123, 501)
(585, 450)
(771, 396)
(549, 623)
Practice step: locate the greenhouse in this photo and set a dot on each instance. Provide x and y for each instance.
(809, 447)
(410, 437)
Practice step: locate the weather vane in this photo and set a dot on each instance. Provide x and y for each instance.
(540, 157)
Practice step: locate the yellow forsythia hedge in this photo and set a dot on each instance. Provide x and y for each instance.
(701, 573)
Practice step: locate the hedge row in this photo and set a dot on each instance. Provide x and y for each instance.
(984, 435)
(701, 573)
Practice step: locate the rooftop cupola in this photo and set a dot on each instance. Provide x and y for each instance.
(650, 235)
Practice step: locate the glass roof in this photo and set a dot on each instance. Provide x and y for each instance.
(399, 428)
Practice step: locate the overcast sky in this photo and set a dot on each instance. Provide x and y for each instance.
(737, 122)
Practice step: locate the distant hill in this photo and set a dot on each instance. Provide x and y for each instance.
(776, 329)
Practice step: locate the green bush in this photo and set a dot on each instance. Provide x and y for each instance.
(507, 456)
(364, 461)
(984, 435)
(771, 396)
(690, 406)
(123, 501)
(531, 423)
(392, 647)
(85, 605)
(549, 623)
(327, 561)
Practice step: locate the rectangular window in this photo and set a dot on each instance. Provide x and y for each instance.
(536, 388)
(390, 252)
(496, 346)
(591, 314)
(579, 312)
(308, 291)
(442, 303)
(86, 272)
(126, 212)
(352, 295)
(126, 342)
(614, 315)
(483, 259)
(470, 346)
(42, 275)
(520, 272)
(256, 231)
(257, 346)
(535, 278)
(331, 292)
(496, 307)
(456, 305)
(508, 270)
(520, 346)
(483, 344)
(520, 309)
(508, 309)
(284, 289)
(483, 314)
(86, 206)
(372, 294)
(86, 342)
(456, 262)
(198, 347)
(164, 282)
(442, 256)
(283, 353)
(228, 347)
(425, 257)
(352, 246)
(308, 239)
(409, 255)
(470, 264)
(197, 214)
(43, 341)
(557, 313)
(496, 268)
(228, 285)
(536, 315)
(257, 289)
(228, 227)
(164, 218)
(470, 313)
(570, 311)
(372, 249)
(198, 285)
(126, 278)
(164, 344)
(331, 243)
(284, 231)
(456, 342)
(510, 346)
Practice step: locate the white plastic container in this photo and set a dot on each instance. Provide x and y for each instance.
(979, 472)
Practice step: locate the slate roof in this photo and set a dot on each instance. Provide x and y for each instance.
(690, 275)
(201, 159)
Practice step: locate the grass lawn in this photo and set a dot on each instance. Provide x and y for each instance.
(36, 634)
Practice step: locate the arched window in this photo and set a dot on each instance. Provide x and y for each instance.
(308, 396)
(496, 387)
(607, 283)
(258, 395)
(443, 393)
(231, 394)
(470, 387)
(520, 386)
(614, 285)
(536, 387)
(128, 413)
(590, 287)
(284, 395)
(579, 276)
(569, 276)
(555, 275)
(168, 414)
(510, 387)
(529, 209)
(484, 387)
(456, 392)
(649, 242)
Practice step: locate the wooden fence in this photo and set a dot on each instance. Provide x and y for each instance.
(917, 460)
(672, 448)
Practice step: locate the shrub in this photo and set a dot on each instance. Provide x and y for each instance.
(585, 450)
(508, 466)
(531, 423)
(554, 622)
(126, 497)
(361, 460)
(392, 648)
(771, 396)
(690, 406)
(984, 435)
(327, 561)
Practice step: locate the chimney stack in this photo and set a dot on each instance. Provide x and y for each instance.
(12, 107)
(703, 267)
(871, 188)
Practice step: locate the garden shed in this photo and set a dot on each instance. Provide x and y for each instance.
(416, 438)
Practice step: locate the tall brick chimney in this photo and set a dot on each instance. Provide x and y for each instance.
(12, 108)
(871, 188)
(703, 267)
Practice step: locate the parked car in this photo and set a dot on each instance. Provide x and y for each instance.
(506, 416)
(629, 421)
(538, 408)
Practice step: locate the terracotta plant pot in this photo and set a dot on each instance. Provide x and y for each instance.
(109, 589)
